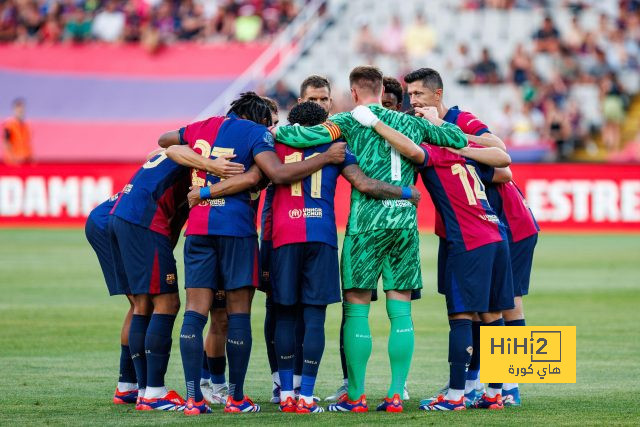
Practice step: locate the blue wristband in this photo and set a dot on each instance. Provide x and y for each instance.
(205, 193)
(406, 193)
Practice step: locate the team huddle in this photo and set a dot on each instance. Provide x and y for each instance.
(209, 175)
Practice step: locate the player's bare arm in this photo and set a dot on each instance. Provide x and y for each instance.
(491, 156)
(233, 185)
(501, 175)
(280, 173)
(168, 139)
(221, 166)
(376, 188)
(488, 140)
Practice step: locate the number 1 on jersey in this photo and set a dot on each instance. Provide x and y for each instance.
(316, 177)
(478, 188)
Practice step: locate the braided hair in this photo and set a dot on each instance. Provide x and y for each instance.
(307, 114)
(252, 107)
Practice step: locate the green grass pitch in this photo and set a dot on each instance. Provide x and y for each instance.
(59, 335)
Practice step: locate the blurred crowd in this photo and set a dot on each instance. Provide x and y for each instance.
(545, 111)
(151, 22)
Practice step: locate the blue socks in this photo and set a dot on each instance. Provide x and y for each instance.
(285, 344)
(217, 366)
(460, 344)
(519, 322)
(314, 317)
(204, 372)
(297, 368)
(157, 346)
(137, 334)
(474, 364)
(499, 322)
(191, 350)
(269, 334)
(239, 343)
(127, 370)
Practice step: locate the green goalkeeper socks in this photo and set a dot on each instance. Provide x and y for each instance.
(357, 346)
(401, 340)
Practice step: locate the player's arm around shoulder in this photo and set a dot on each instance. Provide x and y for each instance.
(502, 175)
(379, 189)
(310, 136)
(438, 132)
(233, 185)
(490, 156)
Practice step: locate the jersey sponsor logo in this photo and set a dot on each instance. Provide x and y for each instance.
(396, 203)
(213, 202)
(127, 188)
(171, 279)
(490, 218)
(305, 213)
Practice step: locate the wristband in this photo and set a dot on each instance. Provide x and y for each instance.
(205, 193)
(406, 193)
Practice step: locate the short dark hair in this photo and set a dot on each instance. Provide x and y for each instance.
(393, 87)
(17, 101)
(429, 77)
(273, 105)
(314, 81)
(368, 77)
(252, 107)
(307, 114)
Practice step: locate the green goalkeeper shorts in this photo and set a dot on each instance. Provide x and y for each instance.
(392, 254)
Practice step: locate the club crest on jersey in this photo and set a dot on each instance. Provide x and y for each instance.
(171, 279)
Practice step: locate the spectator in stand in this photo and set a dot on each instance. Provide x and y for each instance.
(248, 24)
(460, 64)
(17, 136)
(613, 112)
(108, 24)
(366, 44)
(520, 66)
(486, 70)
(504, 122)
(547, 37)
(574, 35)
(191, 20)
(420, 38)
(282, 95)
(8, 21)
(30, 22)
(557, 129)
(133, 23)
(78, 26)
(527, 126)
(392, 38)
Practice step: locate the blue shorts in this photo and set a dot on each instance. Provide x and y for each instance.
(443, 251)
(147, 257)
(521, 262)
(266, 255)
(100, 241)
(306, 273)
(479, 280)
(222, 263)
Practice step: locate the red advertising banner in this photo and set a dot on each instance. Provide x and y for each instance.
(564, 197)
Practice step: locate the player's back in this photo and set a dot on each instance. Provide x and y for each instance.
(152, 196)
(304, 211)
(455, 184)
(513, 210)
(233, 215)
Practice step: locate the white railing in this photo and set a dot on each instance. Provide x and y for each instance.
(281, 52)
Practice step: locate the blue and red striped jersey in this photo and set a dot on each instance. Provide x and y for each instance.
(304, 211)
(233, 215)
(266, 226)
(154, 195)
(455, 184)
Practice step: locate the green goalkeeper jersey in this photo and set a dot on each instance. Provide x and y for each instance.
(377, 159)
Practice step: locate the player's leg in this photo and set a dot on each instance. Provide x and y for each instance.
(266, 251)
(342, 390)
(401, 275)
(299, 339)
(500, 299)
(320, 287)
(238, 266)
(215, 351)
(201, 280)
(466, 284)
(100, 240)
(521, 254)
(361, 266)
(286, 282)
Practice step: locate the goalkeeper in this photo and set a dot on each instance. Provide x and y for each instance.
(382, 236)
